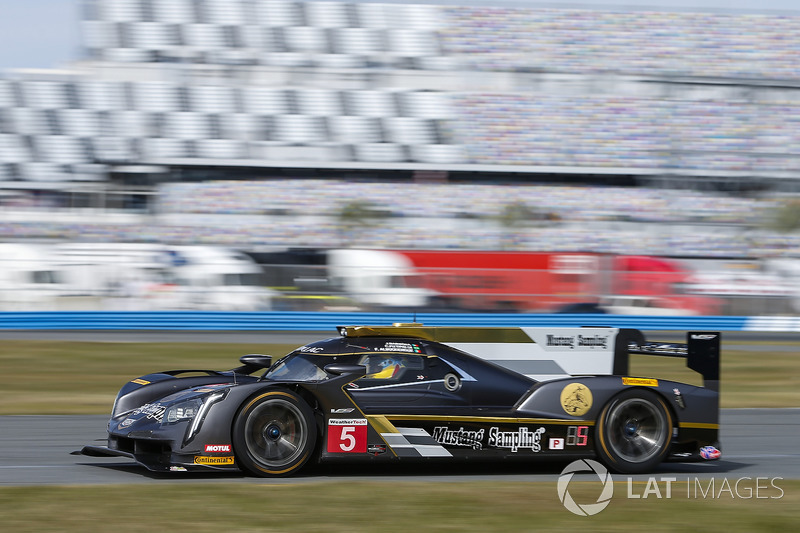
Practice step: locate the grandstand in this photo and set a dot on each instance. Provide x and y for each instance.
(174, 95)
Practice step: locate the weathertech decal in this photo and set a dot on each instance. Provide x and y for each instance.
(347, 435)
(201, 460)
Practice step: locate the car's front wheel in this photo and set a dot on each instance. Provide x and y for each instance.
(634, 432)
(274, 434)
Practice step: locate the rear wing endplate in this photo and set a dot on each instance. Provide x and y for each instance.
(701, 351)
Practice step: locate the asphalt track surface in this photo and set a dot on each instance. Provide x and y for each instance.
(36, 450)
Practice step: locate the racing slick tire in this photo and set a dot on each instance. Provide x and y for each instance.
(274, 434)
(634, 432)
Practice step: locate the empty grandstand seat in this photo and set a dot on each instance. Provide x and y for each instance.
(410, 130)
(221, 149)
(326, 14)
(155, 148)
(355, 129)
(43, 171)
(156, 97)
(173, 11)
(426, 104)
(300, 129)
(265, 100)
(186, 125)
(358, 41)
(78, 122)
(45, 94)
(306, 39)
(371, 103)
(412, 43)
(13, 149)
(319, 102)
(212, 99)
(101, 95)
(279, 13)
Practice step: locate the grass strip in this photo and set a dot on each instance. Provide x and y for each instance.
(56, 377)
(383, 506)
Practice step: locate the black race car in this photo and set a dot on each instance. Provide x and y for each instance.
(410, 392)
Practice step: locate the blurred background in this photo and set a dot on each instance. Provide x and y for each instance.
(439, 156)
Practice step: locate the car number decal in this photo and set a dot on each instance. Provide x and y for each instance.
(347, 435)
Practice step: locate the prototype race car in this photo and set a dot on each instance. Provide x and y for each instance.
(407, 391)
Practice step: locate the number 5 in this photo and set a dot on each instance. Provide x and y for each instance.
(347, 436)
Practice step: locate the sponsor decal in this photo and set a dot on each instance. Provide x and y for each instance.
(399, 347)
(177, 469)
(593, 341)
(679, 398)
(125, 423)
(347, 435)
(310, 349)
(217, 448)
(556, 444)
(459, 437)
(562, 341)
(578, 341)
(154, 411)
(342, 410)
(140, 382)
(376, 449)
(642, 382)
(710, 453)
(347, 422)
(704, 337)
(202, 460)
(576, 399)
(514, 440)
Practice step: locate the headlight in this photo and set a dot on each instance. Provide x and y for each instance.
(183, 411)
(194, 410)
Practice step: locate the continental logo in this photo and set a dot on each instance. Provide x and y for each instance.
(201, 460)
(640, 382)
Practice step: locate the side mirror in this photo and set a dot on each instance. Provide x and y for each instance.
(252, 362)
(339, 369)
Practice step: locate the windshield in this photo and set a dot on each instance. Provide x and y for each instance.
(296, 368)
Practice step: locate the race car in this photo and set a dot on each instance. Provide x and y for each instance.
(409, 392)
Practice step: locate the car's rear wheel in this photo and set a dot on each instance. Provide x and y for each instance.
(274, 434)
(634, 432)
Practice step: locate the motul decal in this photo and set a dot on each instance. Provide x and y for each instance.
(218, 448)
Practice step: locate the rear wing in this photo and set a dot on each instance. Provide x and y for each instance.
(701, 351)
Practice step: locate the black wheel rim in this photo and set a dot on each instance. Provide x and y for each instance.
(275, 433)
(637, 430)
